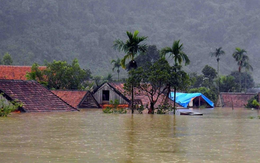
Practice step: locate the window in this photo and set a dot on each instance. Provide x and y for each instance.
(105, 96)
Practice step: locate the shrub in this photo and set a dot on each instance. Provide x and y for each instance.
(7, 107)
(140, 109)
(113, 108)
(108, 110)
(253, 103)
(163, 109)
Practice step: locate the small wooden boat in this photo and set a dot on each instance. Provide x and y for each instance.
(191, 113)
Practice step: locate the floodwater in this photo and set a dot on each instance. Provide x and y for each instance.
(220, 135)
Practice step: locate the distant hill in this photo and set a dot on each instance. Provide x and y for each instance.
(34, 31)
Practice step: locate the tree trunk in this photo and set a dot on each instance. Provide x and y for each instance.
(151, 110)
(132, 107)
(174, 100)
(118, 74)
(240, 81)
(167, 94)
(218, 76)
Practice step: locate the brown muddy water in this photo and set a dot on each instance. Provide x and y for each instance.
(220, 135)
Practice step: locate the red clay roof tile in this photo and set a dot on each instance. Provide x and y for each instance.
(15, 72)
(71, 97)
(34, 97)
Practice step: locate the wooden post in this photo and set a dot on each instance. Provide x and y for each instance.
(232, 103)
(132, 107)
(199, 101)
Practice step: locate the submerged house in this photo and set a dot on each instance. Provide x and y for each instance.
(33, 96)
(78, 99)
(191, 99)
(107, 92)
(140, 97)
(102, 95)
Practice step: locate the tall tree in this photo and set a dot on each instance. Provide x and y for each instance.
(61, 75)
(150, 81)
(37, 75)
(219, 52)
(240, 56)
(176, 52)
(7, 59)
(116, 64)
(132, 47)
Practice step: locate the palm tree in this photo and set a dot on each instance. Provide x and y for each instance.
(217, 54)
(240, 56)
(116, 65)
(176, 52)
(132, 47)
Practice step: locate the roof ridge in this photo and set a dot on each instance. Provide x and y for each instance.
(17, 66)
(16, 80)
(69, 90)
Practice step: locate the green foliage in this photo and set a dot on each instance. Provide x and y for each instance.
(209, 73)
(132, 47)
(196, 80)
(37, 75)
(219, 52)
(140, 109)
(7, 107)
(146, 59)
(253, 103)
(98, 80)
(115, 103)
(245, 78)
(114, 108)
(108, 78)
(176, 52)
(154, 80)
(116, 64)
(228, 84)
(163, 109)
(7, 59)
(108, 110)
(61, 75)
(242, 61)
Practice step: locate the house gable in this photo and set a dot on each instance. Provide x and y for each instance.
(33, 96)
(106, 92)
(88, 101)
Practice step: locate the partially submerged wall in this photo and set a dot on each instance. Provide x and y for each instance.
(229, 99)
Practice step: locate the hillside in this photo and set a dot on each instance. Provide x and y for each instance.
(34, 31)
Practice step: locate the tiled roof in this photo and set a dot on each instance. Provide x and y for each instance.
(139, 95)
(71, 97)
(15, 72)
(34, 97)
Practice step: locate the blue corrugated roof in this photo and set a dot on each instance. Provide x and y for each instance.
(184, 99)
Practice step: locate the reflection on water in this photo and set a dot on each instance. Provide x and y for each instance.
(220, 135)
